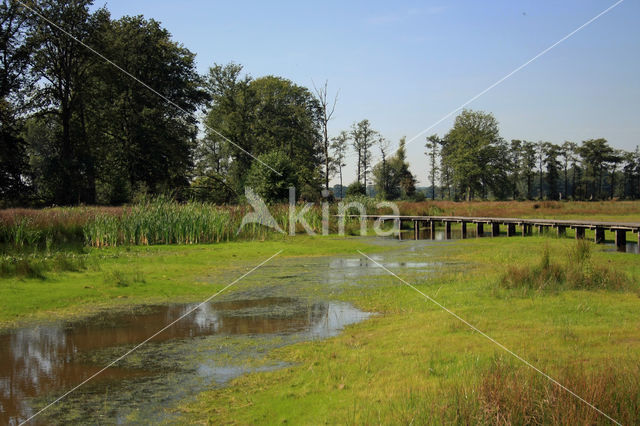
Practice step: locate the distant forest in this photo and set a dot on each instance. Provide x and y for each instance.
(77, 128)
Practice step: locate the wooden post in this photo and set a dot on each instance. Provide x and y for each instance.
(579, 233)
(416, 229)
(447, 230)
(525, 229)
(479, 229)
(511, 229)
(432, 226)
(399, 224)
(599, 236)
(540, 229)
(621, 239)
(495, 229)
(464, 229)
(562, 230)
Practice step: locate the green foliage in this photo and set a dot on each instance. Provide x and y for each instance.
(261, 116)
(272, 183)
(472, 150)
(356, 188)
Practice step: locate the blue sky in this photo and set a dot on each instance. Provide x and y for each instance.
(404, 65)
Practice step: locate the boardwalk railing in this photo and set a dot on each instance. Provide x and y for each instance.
(526, 226)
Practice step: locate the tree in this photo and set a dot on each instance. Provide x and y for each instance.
(382, 177)
(470, 150)
(356, 188)
(363, 137)
(551, 153)
(539, 147)
(141, 138)
(594, 154)
(327, 109)
(401, 170)
(271, 186)
(339, 147)
(566, 152)
(527, 168)
(63, 67)
(433, 142)
(514, 159)
(614, 160)
(229, 118)
(15, 82)
(264, 115)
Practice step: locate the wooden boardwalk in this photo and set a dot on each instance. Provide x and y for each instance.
(525, 226)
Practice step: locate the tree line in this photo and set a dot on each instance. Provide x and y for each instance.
(76, 128)
(473, 161)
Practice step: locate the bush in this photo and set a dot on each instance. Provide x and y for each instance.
(355, 189)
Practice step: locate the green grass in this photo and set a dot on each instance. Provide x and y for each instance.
(415, 363)
(56, 287)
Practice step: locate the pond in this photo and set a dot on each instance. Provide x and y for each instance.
(287, 301)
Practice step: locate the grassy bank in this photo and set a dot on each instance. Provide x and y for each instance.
(56, 287)
(414, 363)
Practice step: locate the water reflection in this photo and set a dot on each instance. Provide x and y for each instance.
(38, 361)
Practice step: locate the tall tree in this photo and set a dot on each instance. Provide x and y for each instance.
(614, 160)
(551, 153)
(514, 158)
(381, 173)
(540, 159)
(339, 147)
(470, 150)
(266, 115)
(63, 67)
(327, 108)
(15, 81)
(433, 142)
(363, 138)
(594, 154)
(566, 153)
(142, 138)
(528, 166)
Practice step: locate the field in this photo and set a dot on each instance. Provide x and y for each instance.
(417, 364)
(570, 308)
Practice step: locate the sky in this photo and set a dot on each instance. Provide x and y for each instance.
(406, 65)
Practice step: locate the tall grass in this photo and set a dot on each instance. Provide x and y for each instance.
(518, 396)
(577, 272)
(163, 221)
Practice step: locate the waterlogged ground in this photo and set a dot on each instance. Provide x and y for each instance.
(287, 301)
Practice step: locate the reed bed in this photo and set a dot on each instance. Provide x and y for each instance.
(159, 220)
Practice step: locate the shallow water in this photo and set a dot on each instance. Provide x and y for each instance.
(285, 302)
